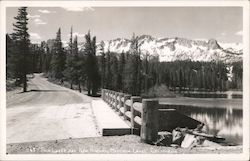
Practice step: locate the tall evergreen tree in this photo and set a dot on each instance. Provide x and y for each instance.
(103, 65)
(47, 60)
(75, 46)
(71, 41)
(11, 59)
(69, 70)
(22, 42)
(78, 64)
(93, 77)
(146, 76)
(114, 71)
(108, 73)
(121, 74)
(133, 68)
(58, 58)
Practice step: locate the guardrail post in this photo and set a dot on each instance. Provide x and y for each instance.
(116, 101)
(149, 127)
(109, 100)
(103, 94)
(133, 100)
(120, 102)
(103, 97)
(113, 103)
(107, 96)
(112, 98)
(126, 97)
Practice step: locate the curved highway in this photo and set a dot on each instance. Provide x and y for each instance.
(49, 112)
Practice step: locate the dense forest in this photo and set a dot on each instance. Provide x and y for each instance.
(131, 72)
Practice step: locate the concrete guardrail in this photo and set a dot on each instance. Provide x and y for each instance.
(144, 116)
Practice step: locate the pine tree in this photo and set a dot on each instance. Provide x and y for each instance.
(93, 77)
(103, 65)
(146, 87)
(20, 36)
(42, 54)
(71, 41)
(114, 71)
(77, 66)
(133, 68)
(108, 73)
(11, 59)
(69, 70)
(75, 46)
(181, 79)
(58, 58)
(47, 60)
(121, 74)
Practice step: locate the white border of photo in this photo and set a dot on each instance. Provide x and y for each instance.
(246, 114)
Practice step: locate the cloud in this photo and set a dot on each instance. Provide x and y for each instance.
(35, 36)
(77, 34)
(78, 9)
(223, 34)
(239, 33)
(38, 21)
(33, 16)
(46, 11)
(41, 23)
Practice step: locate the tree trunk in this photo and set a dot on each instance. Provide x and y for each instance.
(24, 83)
(88, 86)
(79, 86)
(94, 90)
(71, 84)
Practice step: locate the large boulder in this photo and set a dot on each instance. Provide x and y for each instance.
(177, 137)
(164, 139)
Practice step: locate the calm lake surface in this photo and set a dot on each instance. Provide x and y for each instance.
(212, 95)
(222, 116)
(227, 94)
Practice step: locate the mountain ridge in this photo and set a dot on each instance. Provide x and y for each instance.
(176, 48)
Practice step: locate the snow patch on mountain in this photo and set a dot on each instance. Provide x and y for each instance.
(171, 49)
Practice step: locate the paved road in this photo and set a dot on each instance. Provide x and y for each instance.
(49, 112)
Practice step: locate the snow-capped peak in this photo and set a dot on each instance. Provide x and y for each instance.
(171, 49)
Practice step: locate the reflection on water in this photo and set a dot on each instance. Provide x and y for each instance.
(219, 121)
(205, 95)
(212, 95)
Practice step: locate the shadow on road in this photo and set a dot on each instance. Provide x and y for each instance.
(40, 90)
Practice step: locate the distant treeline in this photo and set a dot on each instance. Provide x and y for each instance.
(128, 73)
(131, 72)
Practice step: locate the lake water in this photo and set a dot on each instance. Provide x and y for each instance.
(222, 121)
(211, 95)
(227, 94)
(219, 121)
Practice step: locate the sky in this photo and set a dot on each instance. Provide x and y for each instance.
(224, 24)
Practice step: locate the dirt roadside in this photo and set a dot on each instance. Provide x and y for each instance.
(127, 144)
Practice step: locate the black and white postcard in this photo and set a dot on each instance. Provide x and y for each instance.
(124, 80)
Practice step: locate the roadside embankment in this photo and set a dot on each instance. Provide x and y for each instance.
(126, 144)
